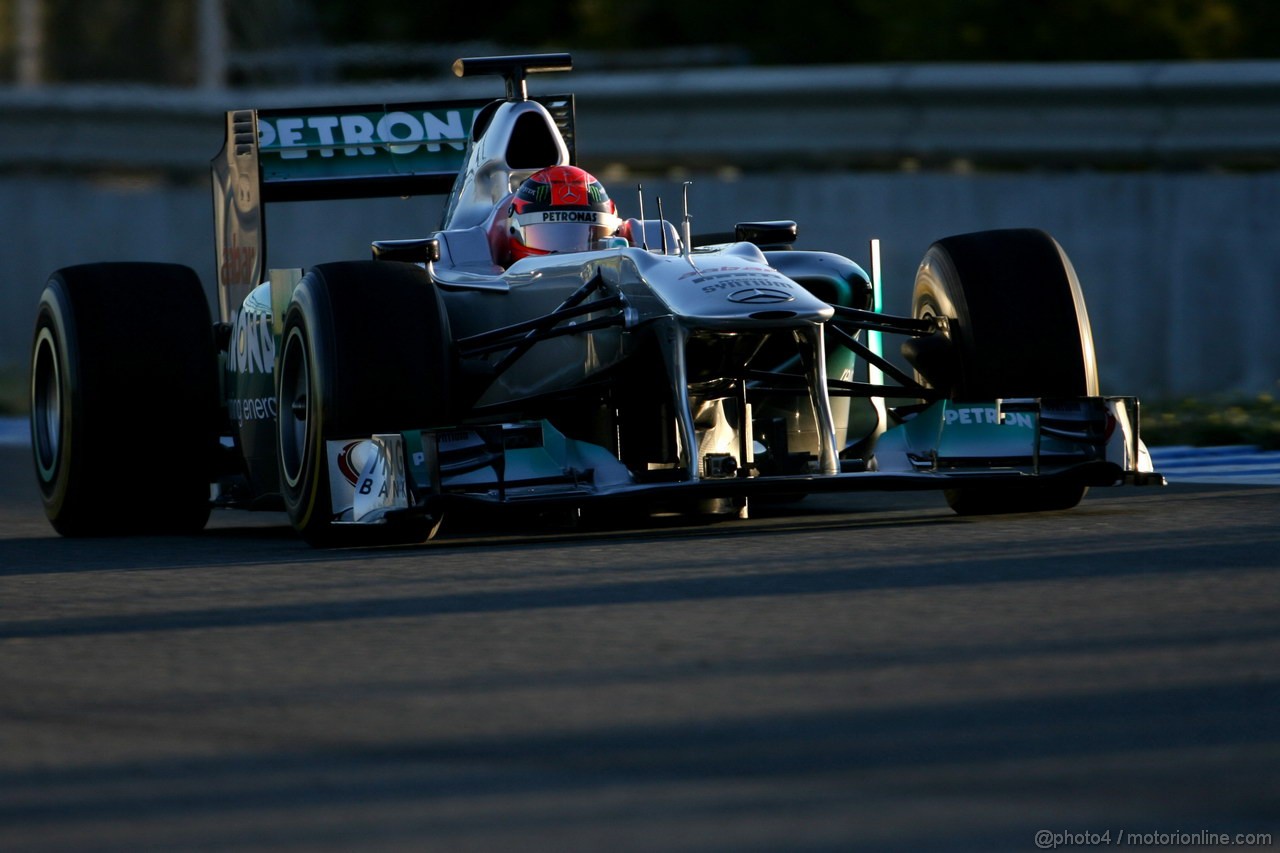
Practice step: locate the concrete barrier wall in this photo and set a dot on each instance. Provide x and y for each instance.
(1160, 180)
(1181, 271)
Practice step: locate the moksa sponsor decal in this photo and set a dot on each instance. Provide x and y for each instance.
(361, 134)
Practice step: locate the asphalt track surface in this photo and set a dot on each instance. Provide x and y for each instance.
(851, 672)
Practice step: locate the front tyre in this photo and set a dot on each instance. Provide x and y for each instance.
(124, 390)
(365, 349)
(1018, 328)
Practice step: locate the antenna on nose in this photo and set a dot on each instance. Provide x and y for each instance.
(662, 221)
(644, 239)
(687, 224)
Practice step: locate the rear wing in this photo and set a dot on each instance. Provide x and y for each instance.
(321, 153)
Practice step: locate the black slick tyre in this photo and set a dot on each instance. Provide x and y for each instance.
(365, 349)
(124, 398)
(1018, 328)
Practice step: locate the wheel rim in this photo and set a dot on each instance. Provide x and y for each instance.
(46, 405)
(294, 407)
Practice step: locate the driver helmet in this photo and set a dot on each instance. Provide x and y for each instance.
(559, 209)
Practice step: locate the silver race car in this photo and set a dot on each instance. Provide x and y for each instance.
(540, 351)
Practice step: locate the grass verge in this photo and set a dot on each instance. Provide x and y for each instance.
(1213, 422)
(13, 390)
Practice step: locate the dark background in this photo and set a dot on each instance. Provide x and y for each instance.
(100, 42)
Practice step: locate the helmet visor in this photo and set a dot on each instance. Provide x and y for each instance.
(564, 230)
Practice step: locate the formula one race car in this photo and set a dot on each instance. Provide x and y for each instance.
(538, 351)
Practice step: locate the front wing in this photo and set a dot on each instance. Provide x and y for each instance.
(1013, 444)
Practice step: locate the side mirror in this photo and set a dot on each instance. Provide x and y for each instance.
(766, 234)
(419, 250)
(773, 234)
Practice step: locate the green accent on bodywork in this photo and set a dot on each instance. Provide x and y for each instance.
(961, 430)
(416, 459)
(839, 291)
(840, 364)
(923, 431)
(875, 339)
(362, 144)
(983, 430)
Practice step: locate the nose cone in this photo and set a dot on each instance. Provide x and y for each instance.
(726, 290)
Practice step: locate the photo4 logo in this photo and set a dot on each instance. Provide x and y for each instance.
(1047, 839)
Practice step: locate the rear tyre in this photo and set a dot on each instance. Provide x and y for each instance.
(1018, 328)
(365, 349)
(124, 398)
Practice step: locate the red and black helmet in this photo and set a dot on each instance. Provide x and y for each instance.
(559, 209)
